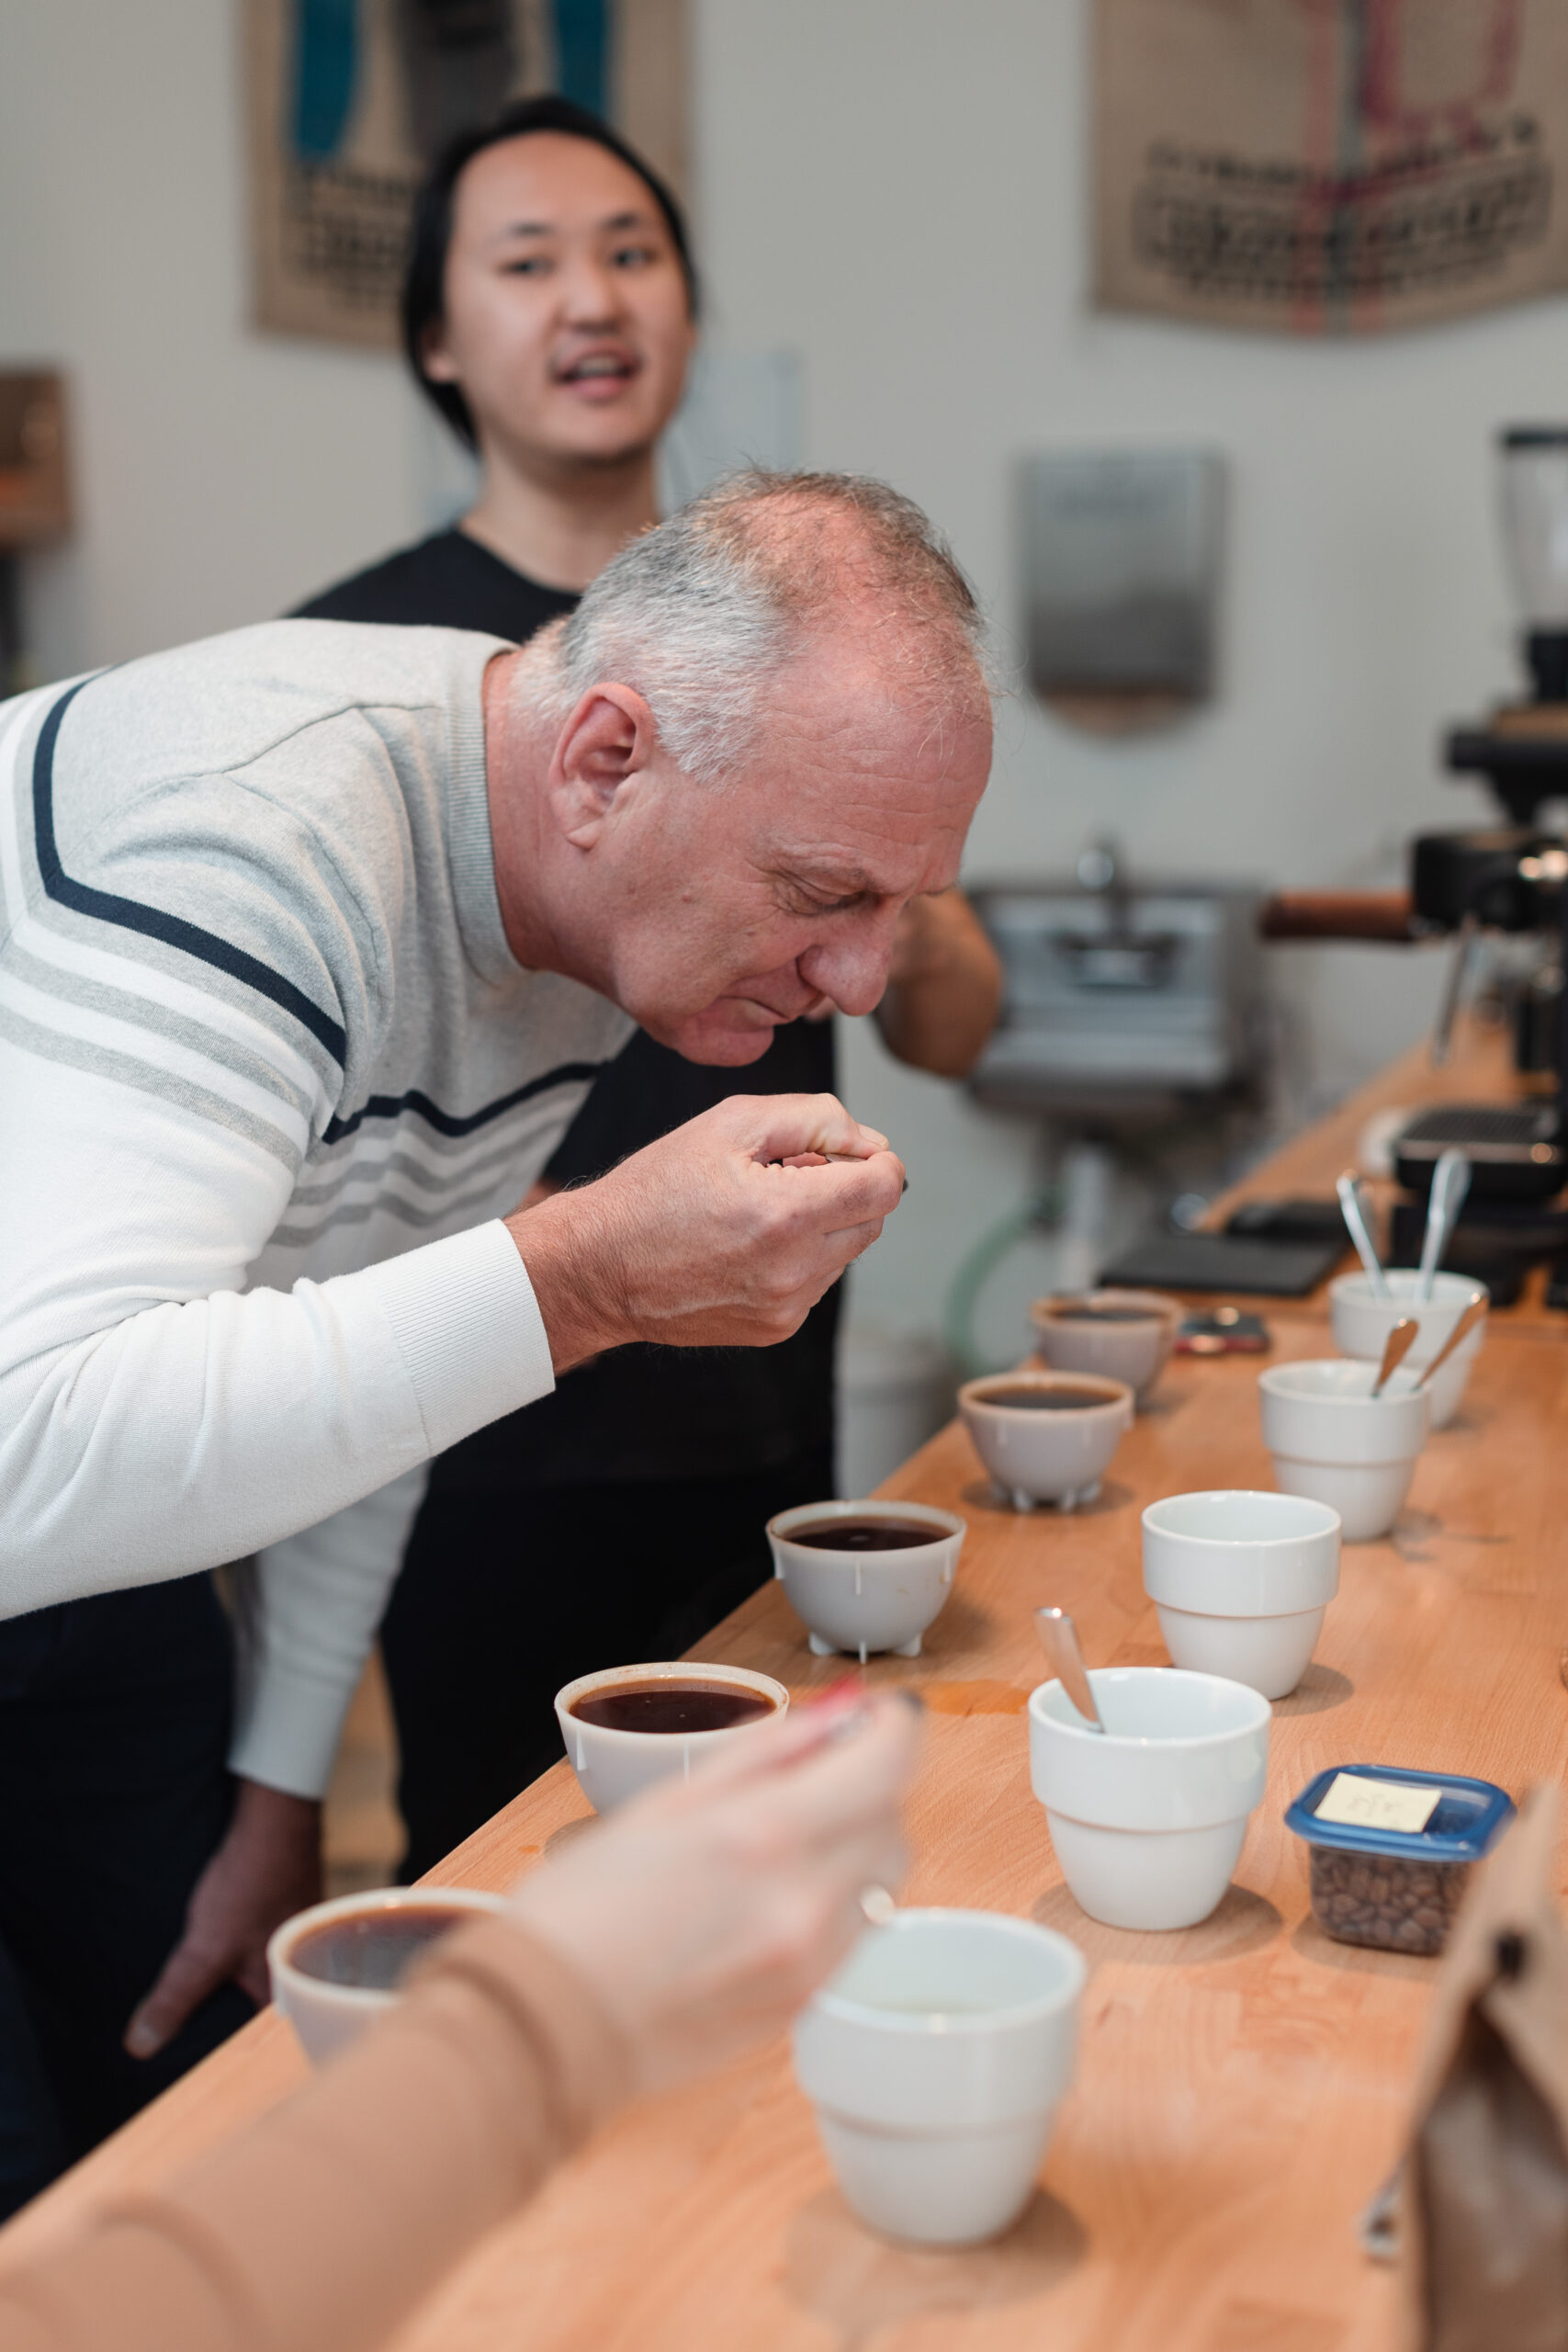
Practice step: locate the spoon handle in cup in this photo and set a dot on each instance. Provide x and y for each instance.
(1348, 1188)
(1461, 1331)
(1059, 1637)
(1450, 1182)
(1396, 1347)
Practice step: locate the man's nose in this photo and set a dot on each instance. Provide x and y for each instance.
(591, 293)
(853, 969)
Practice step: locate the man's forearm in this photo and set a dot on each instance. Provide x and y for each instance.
(942, 1007)
(566, 1243)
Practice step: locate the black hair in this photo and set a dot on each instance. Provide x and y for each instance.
(424, 283)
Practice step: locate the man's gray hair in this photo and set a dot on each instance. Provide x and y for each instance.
(701, 612)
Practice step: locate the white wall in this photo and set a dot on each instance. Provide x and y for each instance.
(221, 475)
(896, 188)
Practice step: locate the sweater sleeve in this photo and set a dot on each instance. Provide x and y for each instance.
(308, 1614)
(157, 1419)
(321, 2227)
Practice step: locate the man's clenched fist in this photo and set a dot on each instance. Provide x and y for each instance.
(723, 1234)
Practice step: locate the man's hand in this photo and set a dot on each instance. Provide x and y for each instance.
(268, 1867)
(725, 1233)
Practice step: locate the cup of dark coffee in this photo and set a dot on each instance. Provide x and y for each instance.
(1121, 1334)
(629, 1725)
(1046, 1437)
(864, 1577)
(338, 1966)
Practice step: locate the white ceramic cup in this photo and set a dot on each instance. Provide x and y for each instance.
(1147, 1818)
(325, 2016)
(1361, 1325)
(936, 2059)
(1241, 1582)
(1134, 1348)
(1333, 1440)
(612, 1765)
(1046, 1457)
(863, 1601)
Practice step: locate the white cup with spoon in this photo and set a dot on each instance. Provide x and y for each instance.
(1148, 1787)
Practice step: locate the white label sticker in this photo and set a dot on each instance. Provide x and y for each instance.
(1377, 1804)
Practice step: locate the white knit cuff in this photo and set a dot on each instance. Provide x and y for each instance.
(469, 1330)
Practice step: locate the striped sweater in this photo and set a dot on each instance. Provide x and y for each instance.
(269, 1078)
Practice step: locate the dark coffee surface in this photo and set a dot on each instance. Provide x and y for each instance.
(864, 1534)
(373, 1950)
(670, 1706)
(1103, 1314)
(1043, 1400)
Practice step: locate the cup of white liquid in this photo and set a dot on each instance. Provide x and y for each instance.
(1147, 1818)
(936, 2059)
(1361, 1324)
(340, 1965)
(630, 1725)
(1241, 1582)
(1334, 1441)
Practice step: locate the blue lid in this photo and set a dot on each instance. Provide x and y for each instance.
(1470, 1816)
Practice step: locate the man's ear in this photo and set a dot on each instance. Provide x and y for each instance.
(606, 746)
(437, 364)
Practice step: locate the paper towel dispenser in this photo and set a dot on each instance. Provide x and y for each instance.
(1122, 568)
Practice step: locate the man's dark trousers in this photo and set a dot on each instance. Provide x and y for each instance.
(114, 1727)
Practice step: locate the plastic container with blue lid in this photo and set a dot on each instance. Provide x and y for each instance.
(1397, 1890)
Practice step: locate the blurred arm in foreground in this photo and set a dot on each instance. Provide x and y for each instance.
(688, 1927)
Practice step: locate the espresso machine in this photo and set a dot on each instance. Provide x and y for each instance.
(1509, 880)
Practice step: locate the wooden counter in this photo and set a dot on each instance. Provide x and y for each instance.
(1241, 2086)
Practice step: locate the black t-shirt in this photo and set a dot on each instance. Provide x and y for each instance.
(450, 582)
(641, 1412)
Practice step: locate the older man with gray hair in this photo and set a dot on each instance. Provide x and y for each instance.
(316, 936)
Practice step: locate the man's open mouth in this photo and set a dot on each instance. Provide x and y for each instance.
(597, 366)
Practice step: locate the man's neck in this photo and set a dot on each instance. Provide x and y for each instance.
(562, 527)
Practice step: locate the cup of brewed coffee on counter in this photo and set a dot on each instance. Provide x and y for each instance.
(936, 2060)
(338, 1966)
(1121, 1334)
(866, 1576)
(627, 1726)
(1046, 1437)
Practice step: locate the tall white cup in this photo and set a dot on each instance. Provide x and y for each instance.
(936, 2059)
(1334, 1441)
(1147, 1818)
(1241, 1582)
(1361, 1325)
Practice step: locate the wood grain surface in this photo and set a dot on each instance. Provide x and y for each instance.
(1241, 2086)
